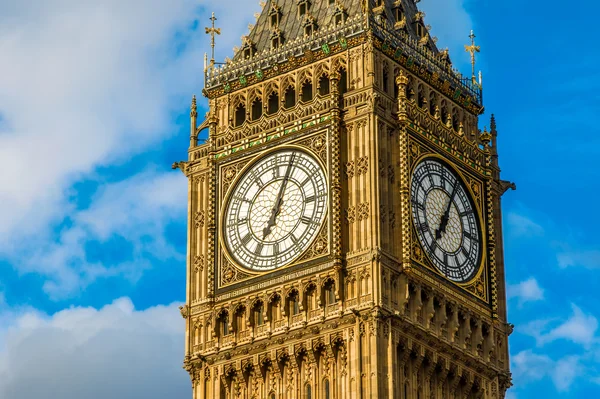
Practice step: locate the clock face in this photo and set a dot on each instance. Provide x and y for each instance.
(446, 220)
(275, 210)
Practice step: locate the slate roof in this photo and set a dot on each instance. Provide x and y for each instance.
(323, 13)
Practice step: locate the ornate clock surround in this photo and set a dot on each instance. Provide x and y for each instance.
(228, 275)
(479, 287)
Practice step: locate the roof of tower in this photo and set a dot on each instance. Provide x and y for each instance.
(291, 33)
(287, 19)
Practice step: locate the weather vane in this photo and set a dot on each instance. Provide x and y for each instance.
(473, 49)
(212, 31)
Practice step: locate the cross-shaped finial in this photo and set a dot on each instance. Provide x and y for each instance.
(212, 31)
(472, 49)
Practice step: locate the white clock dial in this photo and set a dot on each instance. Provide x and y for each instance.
(446, 220)
(275, 210)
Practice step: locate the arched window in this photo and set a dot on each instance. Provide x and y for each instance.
(307, 91)
(326, 389)
(240, 322)
(294, 302)
(386, 80)
(343, 81)
(311, 302)
(330, 293)
(240, 115)
(257, 109)
(258, 314)
(273, 103)
(324, 85)
(308, 392)
(223, 324)
(290, 97)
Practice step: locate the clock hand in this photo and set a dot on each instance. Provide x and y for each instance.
(446, 216)
(279, 200)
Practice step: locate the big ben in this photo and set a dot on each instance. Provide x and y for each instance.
(345, 235)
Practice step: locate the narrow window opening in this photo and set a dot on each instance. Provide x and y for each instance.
(339, 18)
(290, 97)
(240, 115)
(343, 84)
(308, 392)
(273, 103)
(399, 14)
(257, 109)
(258, 315)
(385, 82)
(295, 305)
(308, 30)
(326, 385)
(307, 91)
(275, 42)
(324, 85)
(302, 8)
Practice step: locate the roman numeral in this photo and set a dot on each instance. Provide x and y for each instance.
(423, 228)
(242, 221)
(258, 249)
(305, 220)
(246, 239)
(466, 213)
(294, 239)
(469, 236)
(305, 181)
(309, 199)
(276, 248)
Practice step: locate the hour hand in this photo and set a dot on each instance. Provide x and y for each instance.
(274, 212)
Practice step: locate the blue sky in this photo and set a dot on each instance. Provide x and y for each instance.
(94, 109)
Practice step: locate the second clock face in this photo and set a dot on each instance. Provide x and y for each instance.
(446, 220)
(275, 210)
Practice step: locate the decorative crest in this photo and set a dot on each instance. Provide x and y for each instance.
(472, 49)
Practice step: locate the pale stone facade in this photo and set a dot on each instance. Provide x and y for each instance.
(362, 313)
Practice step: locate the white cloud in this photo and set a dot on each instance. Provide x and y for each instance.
(528, 366)
(579, 328)
(83, 84)
(565, 372)
(85, 353)
(522, 226)
(525, 291)
(587, 259)
(137, 209)
(86, 84)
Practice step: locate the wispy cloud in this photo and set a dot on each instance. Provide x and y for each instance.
(73, 353)
(528, 366)
(523, 226)
(137, 209)
(589, 259)
(525, 291)
(579, 328)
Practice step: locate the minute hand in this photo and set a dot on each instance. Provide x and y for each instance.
(446, 216)
(279, 200)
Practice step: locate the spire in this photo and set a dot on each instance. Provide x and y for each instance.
(473, 49)
(212, 31)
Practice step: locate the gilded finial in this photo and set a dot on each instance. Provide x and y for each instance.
(485, 137)
(194, 108)
(212, 31)
(472, 49)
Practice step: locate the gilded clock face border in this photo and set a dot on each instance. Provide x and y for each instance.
(478, 202)
(248, 160)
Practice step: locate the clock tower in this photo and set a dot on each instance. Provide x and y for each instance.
(345, 236)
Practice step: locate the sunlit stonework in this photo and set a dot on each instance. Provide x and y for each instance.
(345, 236)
